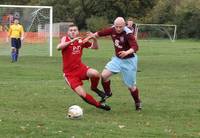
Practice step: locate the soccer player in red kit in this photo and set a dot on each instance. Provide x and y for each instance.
(124, 61)
(73, 68)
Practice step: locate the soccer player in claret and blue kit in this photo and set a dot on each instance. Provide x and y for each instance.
(124, 61)
(132, 26)
(74, 71)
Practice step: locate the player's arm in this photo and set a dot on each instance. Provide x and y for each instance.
(105, 32)
(101, 33)
(133, 46)
(64, 44)
(95, 44)
(89, 37)
(22, 33)
(122, 54)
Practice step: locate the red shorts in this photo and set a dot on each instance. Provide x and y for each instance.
(74, 79)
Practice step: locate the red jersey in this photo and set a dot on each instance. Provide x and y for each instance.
(71, 55)
(123, 41)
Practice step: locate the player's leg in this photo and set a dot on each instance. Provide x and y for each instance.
(135, 94)
(111, 68)
(18, 47)
(76, 85)
(85, 96)
(89, 99)
(13, 49)
(129, 70)
(94, 79)
(105, 80)
(13, 54)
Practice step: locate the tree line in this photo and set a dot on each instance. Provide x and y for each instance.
(94, 14)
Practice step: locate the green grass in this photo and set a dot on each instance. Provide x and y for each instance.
(34, 96)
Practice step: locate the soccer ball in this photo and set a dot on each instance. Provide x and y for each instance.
(75, 112)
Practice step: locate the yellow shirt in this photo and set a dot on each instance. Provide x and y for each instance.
(15, 31)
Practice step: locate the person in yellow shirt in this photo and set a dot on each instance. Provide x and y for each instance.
(16, 34)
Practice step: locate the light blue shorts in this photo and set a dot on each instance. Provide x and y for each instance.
(127, 67)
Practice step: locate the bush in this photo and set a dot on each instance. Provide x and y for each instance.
(96, 23)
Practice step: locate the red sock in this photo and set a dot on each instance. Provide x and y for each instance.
(106, 87)
(135, 95)
(89, 99)
(94, 82)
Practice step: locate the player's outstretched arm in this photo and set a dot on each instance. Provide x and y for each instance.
(64, 44)
(22, 33)
(89, 37)
(92, 35)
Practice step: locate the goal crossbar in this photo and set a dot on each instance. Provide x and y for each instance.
(172, 38)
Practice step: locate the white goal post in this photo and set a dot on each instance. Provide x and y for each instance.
(37, 22)
(156, 31)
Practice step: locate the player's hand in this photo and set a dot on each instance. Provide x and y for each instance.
(87, 39)
(77, 38)
(22, 38)
(91, 35)
(122, 54)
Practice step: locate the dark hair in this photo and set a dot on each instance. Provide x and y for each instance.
(16, 19)
(130, 19)
(72, 25)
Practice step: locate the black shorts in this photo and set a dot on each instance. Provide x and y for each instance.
(16, 43)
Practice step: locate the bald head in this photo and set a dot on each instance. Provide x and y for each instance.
(119, 20)
(119, 24)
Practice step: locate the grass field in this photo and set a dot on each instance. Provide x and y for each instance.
(34, 96)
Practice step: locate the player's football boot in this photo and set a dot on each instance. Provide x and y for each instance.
(99, 92)
(104, 107)
(103, 99)
(138, 106)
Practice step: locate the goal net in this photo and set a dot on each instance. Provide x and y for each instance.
(37, 23)
(156, 31)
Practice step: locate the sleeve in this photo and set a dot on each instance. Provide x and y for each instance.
(22, 29)
(87, 45)
(132, 42)
(105, 32)
(64, 39)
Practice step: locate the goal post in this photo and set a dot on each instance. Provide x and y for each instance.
(156, 31)
(37, 22)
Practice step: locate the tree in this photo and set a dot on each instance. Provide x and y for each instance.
(162, 12)
(96, 23)
(188, 19)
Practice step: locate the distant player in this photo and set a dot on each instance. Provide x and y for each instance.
(124, 61)
(16, 33)
(73, 68)
(132, 26)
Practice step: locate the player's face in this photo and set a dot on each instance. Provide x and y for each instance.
(73, 32)
(16, 21)
(129, 23)
(119, 27)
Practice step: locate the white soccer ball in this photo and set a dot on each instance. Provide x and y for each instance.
(75, 112)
